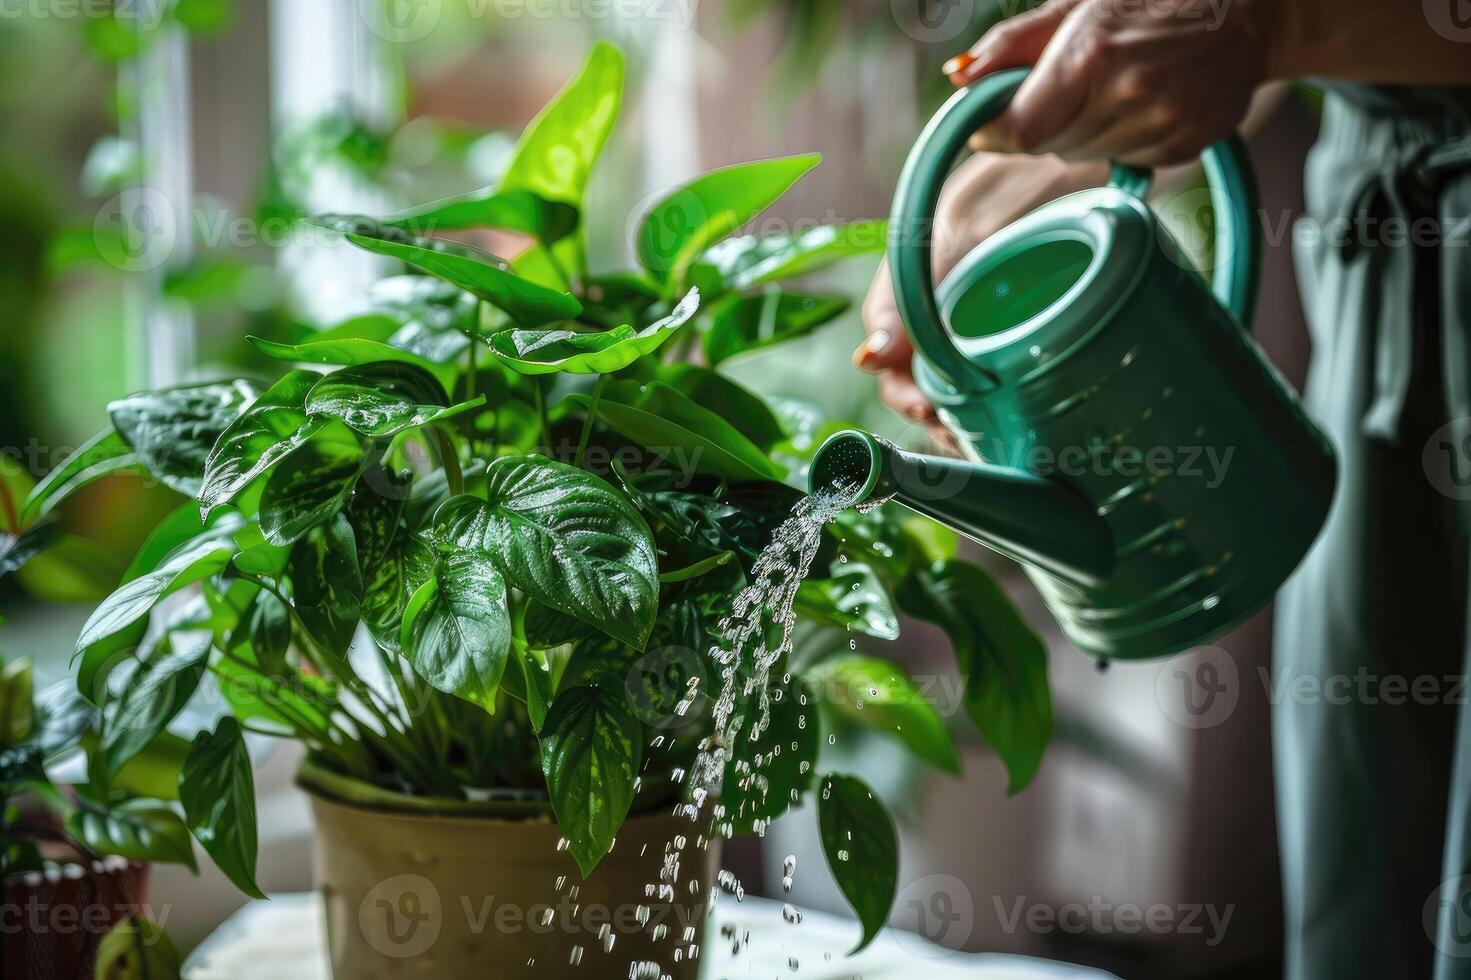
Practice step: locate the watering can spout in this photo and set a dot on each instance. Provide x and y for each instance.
(1033, 519)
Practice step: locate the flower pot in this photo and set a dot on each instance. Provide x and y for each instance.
(52, 922)
(423, 888)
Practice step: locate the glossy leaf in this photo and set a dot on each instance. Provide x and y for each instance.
(310, 485)
(591, 745)
(103, 455)
(732, 401)
(265, 433)
(752, 260)
(139, 830)
(155, 693)
(684, 224)
(217, 790)
(747, 323)
(862, 850)
(655, 415)
(523, 211)
(327, 580)
(594, 352)
(853, 598)
(557, 151)
(137, 948)
(384, 398)
(347, 351)
(565, 538)
(457, 630)
(472, 270)
(1003, 660)
(879, 694)
(768, 774)
(173, 430)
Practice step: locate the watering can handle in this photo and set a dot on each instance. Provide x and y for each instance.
(1228, 172)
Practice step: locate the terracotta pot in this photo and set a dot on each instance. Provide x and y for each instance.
(51, 924)
(419, 888)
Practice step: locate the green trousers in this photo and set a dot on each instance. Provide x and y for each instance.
(1371, 725)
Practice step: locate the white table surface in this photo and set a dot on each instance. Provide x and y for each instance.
(282, 940)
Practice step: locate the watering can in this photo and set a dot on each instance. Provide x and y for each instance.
(1126, 439)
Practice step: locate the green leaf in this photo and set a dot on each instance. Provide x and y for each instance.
(590, 750)
(1003, 660)
(523, 211)
(861, 848)
(752, 260)
(18, 550)
(596, 352)
(273, 426)
(137, 949)
(879, 694)
(659, 417)
(747, 323)
(17, 704)
(327, 583)
(557, 151)
(735, 403)
(683, 225)
(768, 774)
(702, 567)
(155, 693)
(218, 793)
(154, 772)
(470, 269)
(296, 703)
(457, 630)
(565, 538)
(104, 454)
(349, 351)
(134, 599)
(140, 830)
(172, 431)
(384, 398)
(854, 598)
(311, 484)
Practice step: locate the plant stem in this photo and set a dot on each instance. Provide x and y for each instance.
(541, 413)
(592, 413)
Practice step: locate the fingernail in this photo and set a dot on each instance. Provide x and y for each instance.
(959, 63)
(867, 355)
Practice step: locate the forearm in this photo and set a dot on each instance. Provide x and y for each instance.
(1380, 41)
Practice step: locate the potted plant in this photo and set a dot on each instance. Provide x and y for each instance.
(473, 551)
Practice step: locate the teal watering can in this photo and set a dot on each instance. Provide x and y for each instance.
(1125, 437)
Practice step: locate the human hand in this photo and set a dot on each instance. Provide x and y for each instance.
(988, 192)
(1150, 84)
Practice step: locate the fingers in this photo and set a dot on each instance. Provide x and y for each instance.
(887, 346)
(1054, 94)
(1014, 43)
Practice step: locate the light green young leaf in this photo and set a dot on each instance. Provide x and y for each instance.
(534, 352)
(457, 631)
(565, 538)
(862, 850)
(349, 351)
(678, 229)
(879, 694)
(1003, 660)
(217, 790)
(137, 948)
(591, 745)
